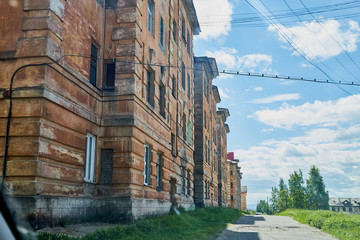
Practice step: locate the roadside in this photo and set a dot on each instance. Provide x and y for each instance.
(76, 230)
(203, 223)
(268, 227)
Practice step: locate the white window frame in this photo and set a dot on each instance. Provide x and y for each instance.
(151, 16)
(147, 165)
(162, 34)
(159, 170)
(89, 175)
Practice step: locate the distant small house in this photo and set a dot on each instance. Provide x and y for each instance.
(349, 205)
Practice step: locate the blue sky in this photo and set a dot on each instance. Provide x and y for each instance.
(278, 126)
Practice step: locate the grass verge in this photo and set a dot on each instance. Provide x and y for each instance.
(201, 223)
(341, 225)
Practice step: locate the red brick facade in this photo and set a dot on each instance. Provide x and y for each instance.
(83, 128)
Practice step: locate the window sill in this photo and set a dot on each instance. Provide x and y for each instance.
(88, 181)
(159, 189)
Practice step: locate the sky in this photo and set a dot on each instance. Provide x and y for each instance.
(279, 126)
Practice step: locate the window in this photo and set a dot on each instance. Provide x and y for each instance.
(174, 30)
(183, 180)
(159, 171)
(173, 91)
(231, 185)
(189, 133)
(150, 16)
(183, 74)
(162, 102)
(231, 173)
(188, 86)
(188, 183)
(109, 76)
(206, 151)
(206, 190)
(188, 42)
(162, 35)
(232, 198)
(147, 165)
(205, 120)
(184, 127)
(89, 175)
(93, 64)
(150, 88)
(173, 150)
(183, 29)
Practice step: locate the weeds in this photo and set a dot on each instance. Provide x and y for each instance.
(341, 225)
(197, 224)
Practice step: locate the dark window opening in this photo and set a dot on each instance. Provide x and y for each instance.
(188, 86)
(111, 4)
(159, 169)
(93, 64)
(183, 29)
(109, 76)
(151, 16)
(188, 42)
(184, 127)
(174, 30)
(162, 35)
(188, 183)
(173, 150)
(183, 75)
(162, 100)
(173, 91)
(183, 180)
(150, 87)
(147, 166)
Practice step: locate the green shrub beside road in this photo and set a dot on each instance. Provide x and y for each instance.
(201, 223)
(341, 225)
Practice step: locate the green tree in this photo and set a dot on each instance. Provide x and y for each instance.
(274, 199)
(283, 199)
(262, 207)
(316, 196)
(297, 195)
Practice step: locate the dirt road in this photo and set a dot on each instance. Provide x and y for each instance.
(271, 228)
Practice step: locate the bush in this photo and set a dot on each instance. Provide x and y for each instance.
(340, 225)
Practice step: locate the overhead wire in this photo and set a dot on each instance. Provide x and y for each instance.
(321, 42)
(340, 45)
(231, 72)
(287, 38)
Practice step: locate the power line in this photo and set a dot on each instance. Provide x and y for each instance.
(346, 52)
(314, 80)
(283, 14)
(291, 43)
(233, 72)
(322, 44)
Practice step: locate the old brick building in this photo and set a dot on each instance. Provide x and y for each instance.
(243, 198)
(222, 129)
(235, 177)
(206, 151)
(107, 129)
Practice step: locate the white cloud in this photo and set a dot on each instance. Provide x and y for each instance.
(324, 113)
(335, 157)
(223, 95)
(228, 58)
(277, 98)
(316, 42)
(207, 12)
(267, 130)
(258, 89)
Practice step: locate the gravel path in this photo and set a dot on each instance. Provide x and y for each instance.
(270, 228)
